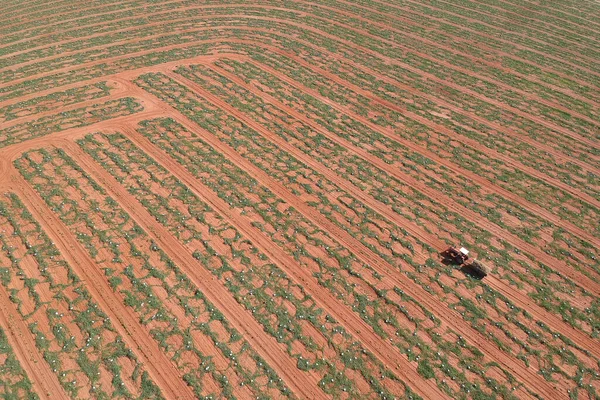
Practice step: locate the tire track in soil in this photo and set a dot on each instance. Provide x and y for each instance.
(448, 317)
(527, 95)
(44, 381)
(161, 369)
(483, 182)
(304, 384)
(357, 248)
(384, 351)
(577, 277)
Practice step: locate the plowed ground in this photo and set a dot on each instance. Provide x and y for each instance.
(249, 199)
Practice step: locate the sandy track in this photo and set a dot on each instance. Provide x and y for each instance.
(449, 317)
(457, 169)
(505, 15)
(519, 298)
(45, 382)
(125, 322)
(341, 12)
(565, 269)
(304, 384)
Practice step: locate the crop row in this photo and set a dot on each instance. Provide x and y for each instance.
(106, 19)
(445, 56)
(73, 334)
(54, 101)
(62, 13)
(254, 147)
(522, 125)
(342, 161)
(69, 119)
(212, 356)
(284, 309)
(576, 29)
(14, 383)
(453, 18)
(502, 212)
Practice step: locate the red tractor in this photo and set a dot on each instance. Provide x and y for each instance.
(456, 256)
(460, 257)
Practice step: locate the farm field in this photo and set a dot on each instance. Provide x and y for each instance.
(221, 199)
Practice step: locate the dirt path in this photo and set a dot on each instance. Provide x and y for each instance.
(136, 337)
(45, 382)
(48, 14)
(422, 150)
(386, 211)
(303, 384)
(565, 269)
(124, 74)
(530, 171)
